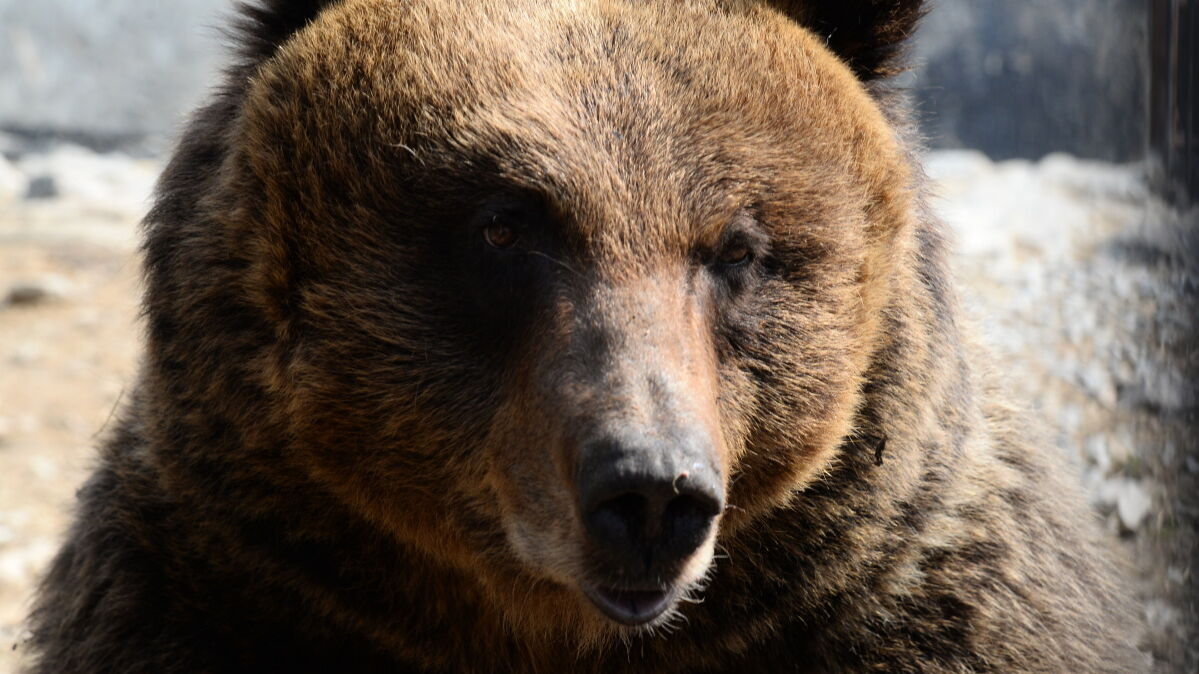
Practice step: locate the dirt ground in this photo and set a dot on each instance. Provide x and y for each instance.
(1067, 268)
(68, 349)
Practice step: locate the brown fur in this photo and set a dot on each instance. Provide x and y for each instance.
(353, 440)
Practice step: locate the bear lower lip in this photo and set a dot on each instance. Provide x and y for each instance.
(631, 607)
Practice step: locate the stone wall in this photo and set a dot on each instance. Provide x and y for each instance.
(106, 71)
(1024, 78)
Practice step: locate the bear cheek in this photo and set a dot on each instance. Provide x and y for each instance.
(527, 476)
(790, 379)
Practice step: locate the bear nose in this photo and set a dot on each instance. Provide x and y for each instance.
(648, 506)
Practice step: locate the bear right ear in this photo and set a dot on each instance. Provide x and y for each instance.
(264, 25)
(869, 35)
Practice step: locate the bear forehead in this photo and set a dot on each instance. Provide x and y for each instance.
(669, 106)
(493, 48)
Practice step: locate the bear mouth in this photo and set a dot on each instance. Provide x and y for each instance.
(631, 607)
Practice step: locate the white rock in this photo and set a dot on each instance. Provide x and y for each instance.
(1094, 484)
(1093, 179)
(1098, 382)
(1133, 505)
(1098, 454)
(1118, 449)
(957, 165)
(1176, 575)
(1107, 491)
(1161, 616)
(13, 183)
(50, 287)
(1069, 418)
(20, 564)
(111, 181)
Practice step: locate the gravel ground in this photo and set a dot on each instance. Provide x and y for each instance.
(1082, 282)
(1086, 287)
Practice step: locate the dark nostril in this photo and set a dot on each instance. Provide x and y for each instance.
(686, 521)
(619, 521)
(657, 523)
(686, 515)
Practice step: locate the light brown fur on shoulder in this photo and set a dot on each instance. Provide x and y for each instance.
(596, 335)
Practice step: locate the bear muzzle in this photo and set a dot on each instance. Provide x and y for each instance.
(648, 504)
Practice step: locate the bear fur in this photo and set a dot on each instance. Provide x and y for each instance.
(351, 443)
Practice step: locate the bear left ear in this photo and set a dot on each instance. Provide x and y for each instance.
(264, 25)
(869, 35)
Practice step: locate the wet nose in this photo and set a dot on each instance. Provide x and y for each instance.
(648, 505)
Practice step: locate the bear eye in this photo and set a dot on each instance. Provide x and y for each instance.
(499, 234)
(735, 254)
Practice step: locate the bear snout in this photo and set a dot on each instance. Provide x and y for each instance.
(648, 504)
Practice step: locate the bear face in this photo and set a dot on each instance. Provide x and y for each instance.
(565, 292)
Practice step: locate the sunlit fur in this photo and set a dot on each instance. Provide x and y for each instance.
(352, 443)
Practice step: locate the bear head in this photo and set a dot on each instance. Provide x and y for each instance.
(563, 294)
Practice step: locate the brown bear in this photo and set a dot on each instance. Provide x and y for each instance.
(567, 336)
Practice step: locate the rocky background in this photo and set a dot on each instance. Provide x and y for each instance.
(1025, 78)
(1084, 282)
(1012, 78)
(113, 73)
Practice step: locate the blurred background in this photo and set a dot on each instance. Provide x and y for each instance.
(1063, 140)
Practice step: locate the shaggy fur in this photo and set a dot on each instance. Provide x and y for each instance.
(352, 442)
